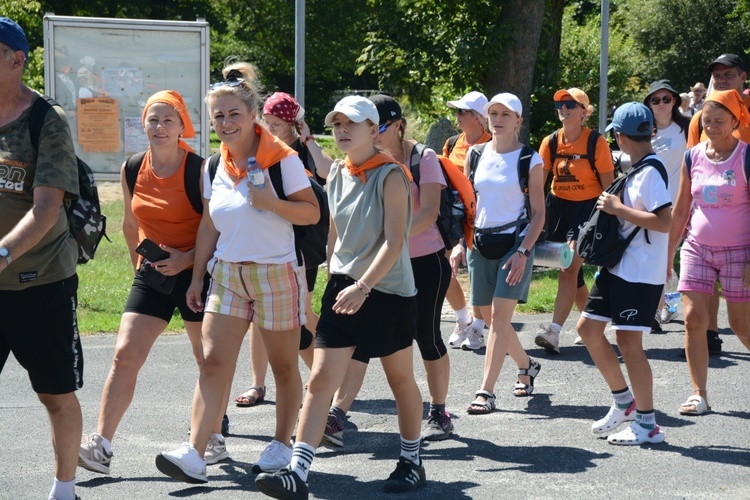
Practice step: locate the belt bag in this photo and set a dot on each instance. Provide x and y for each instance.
(156, 280)
(493, 243)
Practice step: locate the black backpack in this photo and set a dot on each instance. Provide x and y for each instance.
(309, 241)
(590, 151)
(85, 219)
(193, 166)
(599, 241)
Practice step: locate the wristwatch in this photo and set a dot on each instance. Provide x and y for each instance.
(5, 253)
(523, 251)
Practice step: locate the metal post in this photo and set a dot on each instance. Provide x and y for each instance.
(604, 66)
(299, 51)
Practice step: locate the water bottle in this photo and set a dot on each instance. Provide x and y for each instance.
(671, 295)
(255, 174)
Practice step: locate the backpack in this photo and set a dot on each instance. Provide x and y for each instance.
(590, 151)
(85, 219)
(309, 241)
(689, 162)
(457, 201)
(193, 166)
(452, 140)
(599, 241)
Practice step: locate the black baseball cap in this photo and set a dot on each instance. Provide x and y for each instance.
(728, 60)
(388, 108)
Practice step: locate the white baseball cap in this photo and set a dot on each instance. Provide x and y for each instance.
(475, 101)
(510, 101)
(356, 108)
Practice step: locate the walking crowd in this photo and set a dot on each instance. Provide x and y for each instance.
(390, 263)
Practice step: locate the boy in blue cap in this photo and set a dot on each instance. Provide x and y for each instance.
(628, 293)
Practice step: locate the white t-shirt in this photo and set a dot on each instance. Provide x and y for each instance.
(644, 262)
(247, 234)
(500, 200)
(670, 144)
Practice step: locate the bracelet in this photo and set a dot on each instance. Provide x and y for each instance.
(309, 138)
(366, 290)
(275, 202)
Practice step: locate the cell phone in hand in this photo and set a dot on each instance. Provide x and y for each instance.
(151, 251)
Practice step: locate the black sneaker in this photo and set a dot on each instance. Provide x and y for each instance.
(284, 484)
(438, 426)
(407, 476)
(225, 426)
(714, 344)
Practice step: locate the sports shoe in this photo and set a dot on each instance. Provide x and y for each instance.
(282, 484)
(459, 334)
(614, 417)
(183, 464)
(216, 450)
(407, 476)
(474, 339)
(714, 344)
(93, 457)
(548, 339)
(656, 323)
(333, 437)
(666, 315)
(276, 456)
(225, 426)
(635, 434)
(578, 341)
(438, 426)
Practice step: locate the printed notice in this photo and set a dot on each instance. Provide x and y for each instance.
(98, 124)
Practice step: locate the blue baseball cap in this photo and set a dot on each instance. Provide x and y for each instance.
(12, 35)
(634, 119)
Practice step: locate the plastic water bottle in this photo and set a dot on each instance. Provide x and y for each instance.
(671, 295)
(255, 173)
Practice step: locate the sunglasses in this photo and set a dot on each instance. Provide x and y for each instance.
(460, 111)
(384, 127)
(566, 104)
(234, 79)
(667, 99)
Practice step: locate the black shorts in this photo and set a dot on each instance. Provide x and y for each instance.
(629, 306)
(40, 328)
(386, 323)
(145, 300)
(565, 217)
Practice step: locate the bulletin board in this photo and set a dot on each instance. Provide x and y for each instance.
(102, 72)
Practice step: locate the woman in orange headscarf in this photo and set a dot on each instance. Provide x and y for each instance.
(712, 213)
(156, 209)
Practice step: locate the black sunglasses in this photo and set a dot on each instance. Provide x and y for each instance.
(667, 99)
(234, 79)
(460, 111)
(567, 104)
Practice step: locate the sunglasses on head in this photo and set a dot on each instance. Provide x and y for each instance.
(567, 104)
(234, 79)
(384, 127)
(667, 99)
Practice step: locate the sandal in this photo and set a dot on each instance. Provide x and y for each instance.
(695, 405)
(480, 407)
(247, 399)
(521, 390)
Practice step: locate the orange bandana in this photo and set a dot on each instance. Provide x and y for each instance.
(732, 100)
(174, 99)
(271, 150)
(374, 161)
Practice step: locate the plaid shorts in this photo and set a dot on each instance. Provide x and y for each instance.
(700, 265)
(271, 295)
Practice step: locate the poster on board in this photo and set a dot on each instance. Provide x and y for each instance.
(102, 72)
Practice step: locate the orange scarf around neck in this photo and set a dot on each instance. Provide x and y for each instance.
(271, 150)
(374, 161)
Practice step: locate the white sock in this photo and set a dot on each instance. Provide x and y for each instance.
(106, 445)
(555, 327)
(463, 316)
(478, 325)
(410, 449)
(218, 437)
(302, 457)
(63, 490)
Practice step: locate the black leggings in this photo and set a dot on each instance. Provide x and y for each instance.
(432, 275)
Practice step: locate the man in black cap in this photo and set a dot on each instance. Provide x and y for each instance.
(38, 257)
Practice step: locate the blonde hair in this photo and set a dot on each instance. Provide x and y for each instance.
(249, 92)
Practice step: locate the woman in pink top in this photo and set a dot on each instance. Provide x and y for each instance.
(713, 203)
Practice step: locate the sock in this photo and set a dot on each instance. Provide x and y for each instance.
(302, 457)
(478, 325)
(106, 445)
(410, 449)
(646, 419)
(437, 408)
(623, 398)
(554, 326)
(463, 316)
(340, 414)
(63, 490)
(218, 437)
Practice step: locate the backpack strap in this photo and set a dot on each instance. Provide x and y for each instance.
(475, 153)
(193, 166)
(747, 164)
(524, 165)
(416, 159)
(688, 159)
(132, 167)
(591, 153)
(36, 118)
(213, 165)
(553, 147)
(452, 143)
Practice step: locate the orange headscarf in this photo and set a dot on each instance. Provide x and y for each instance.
(270, 151)
(731, 100)
(174, 99)
(374, 161)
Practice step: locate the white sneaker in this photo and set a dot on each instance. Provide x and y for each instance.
(549, 339)
(474, 339)
(275, 457)
(666, 315)
(183, 464)
(613, 419)
(635, 434)
(216, 450)
(92, 455)
(459, 334)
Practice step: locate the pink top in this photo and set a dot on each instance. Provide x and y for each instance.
(428, 241)
(721, 200)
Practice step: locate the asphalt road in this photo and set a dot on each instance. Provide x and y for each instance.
(537, 447)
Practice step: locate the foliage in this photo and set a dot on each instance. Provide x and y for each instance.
(29, 16)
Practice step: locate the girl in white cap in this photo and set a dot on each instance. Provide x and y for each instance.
(369, 303)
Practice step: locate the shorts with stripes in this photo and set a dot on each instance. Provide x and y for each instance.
(701, 265)
(271, 295)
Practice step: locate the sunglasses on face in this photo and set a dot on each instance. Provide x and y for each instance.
(567, 104)
(384, 127)
(667, 99)
(461, 112)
